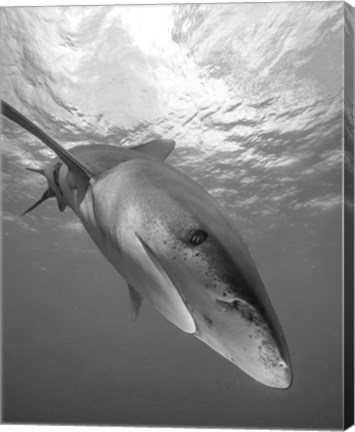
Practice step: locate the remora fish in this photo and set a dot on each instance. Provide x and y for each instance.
(174, 245)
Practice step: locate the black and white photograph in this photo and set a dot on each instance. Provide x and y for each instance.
(177, 225)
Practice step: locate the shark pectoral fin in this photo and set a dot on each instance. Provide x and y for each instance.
(47, 194)
(157, 149)
(71, 161)
(163, 293)
(136, 301)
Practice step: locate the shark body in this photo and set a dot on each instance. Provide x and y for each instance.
(174, 245)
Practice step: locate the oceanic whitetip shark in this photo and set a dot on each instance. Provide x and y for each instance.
(174, 245)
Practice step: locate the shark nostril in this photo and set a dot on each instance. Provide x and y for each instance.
(248, 312)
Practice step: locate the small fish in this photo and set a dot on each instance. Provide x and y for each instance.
(174, 245)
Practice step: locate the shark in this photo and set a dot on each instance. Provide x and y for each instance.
(173, 243)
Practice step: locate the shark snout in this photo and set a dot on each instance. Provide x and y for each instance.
(230, 309)
(245, 335)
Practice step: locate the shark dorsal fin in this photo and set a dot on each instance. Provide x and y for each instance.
(157, 149)
(136, 301)
(73, 163)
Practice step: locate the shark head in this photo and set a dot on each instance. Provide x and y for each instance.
(200, 250)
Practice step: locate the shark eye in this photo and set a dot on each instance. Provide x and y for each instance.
(196, 237)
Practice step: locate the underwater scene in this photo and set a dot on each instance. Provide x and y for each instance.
(252, 95)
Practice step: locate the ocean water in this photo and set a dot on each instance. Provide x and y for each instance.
(253, 95)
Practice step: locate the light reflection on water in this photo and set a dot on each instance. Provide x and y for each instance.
(252, 95)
